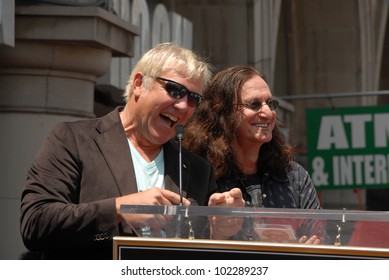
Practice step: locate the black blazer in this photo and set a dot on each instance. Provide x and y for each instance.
(68, 203)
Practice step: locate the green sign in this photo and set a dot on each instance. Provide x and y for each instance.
(348, 147)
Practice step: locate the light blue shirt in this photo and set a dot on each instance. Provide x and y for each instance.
(148, 174)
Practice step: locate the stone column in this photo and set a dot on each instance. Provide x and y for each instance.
(48, 77)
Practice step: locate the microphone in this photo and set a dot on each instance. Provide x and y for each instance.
(179, 137)
(179, 132)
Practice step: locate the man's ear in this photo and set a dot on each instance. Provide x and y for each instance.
(137, 84)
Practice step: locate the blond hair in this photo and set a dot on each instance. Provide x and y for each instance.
(166, 56)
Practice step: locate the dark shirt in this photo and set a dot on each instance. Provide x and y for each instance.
(295, 190)
(264, 190)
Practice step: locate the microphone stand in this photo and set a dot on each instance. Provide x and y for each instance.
(179, 137)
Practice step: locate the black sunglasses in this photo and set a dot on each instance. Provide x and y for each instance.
(256, 105)
(178, 91)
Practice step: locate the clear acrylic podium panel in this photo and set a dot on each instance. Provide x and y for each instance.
(337, 229)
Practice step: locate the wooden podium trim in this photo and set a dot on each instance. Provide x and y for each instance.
(248, 246)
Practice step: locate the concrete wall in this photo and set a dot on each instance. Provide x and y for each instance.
(48, 77)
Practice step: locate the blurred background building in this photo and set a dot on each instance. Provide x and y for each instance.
(69, 59)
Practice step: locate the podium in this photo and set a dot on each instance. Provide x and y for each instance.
(188, 232)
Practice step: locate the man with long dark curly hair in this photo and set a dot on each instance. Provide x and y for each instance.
(235, 128)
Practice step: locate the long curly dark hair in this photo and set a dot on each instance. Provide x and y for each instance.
(212, 128)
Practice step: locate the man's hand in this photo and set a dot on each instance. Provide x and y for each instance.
(231, 198)
(313, 240)
(225, 227)
(153, 196)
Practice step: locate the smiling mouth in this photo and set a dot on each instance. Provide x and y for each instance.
(169, 118)
(262, 125)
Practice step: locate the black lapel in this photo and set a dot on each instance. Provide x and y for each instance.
(113, 144)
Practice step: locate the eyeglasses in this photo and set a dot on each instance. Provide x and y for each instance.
(256, 105)
(178, 91)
